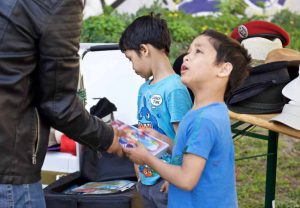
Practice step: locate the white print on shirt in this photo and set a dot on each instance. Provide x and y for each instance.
(156, 100)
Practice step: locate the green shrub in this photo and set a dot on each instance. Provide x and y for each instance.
(291, 23)
(108, 27)
(105, 28)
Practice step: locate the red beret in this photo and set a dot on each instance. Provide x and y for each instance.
(258, 28)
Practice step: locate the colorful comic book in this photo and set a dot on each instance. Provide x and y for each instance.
(156, 146)
(105, 187)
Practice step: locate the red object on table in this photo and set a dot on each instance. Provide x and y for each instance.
(67, 145)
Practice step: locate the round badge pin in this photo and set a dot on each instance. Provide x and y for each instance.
(243, 31)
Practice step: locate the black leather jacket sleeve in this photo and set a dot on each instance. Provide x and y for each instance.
(58, 77)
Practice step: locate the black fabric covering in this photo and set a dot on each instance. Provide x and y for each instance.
(94, 167)
(103, 108)
(56, 199)
(105, 166)
(261, 93)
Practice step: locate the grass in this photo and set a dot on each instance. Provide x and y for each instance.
(251, 172)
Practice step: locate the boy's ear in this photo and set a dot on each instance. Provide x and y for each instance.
(144, 49)
(225, 70)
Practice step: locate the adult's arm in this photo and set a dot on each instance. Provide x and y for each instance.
(58, 77)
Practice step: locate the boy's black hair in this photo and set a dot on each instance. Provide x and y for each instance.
(229, 50)
(149, 29)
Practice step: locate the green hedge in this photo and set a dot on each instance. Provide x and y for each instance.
(107, 27)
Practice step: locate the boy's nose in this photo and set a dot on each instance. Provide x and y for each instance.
(185, 58)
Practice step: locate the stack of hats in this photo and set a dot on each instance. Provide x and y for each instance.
(290, 114)
(260, 93)
(260, 37)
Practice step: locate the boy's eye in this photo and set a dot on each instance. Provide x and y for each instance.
(198, 51)
(129, 59)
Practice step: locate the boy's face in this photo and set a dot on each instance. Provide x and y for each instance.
(199, 65)
(139, 63)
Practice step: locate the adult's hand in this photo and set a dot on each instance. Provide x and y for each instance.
(115, 147)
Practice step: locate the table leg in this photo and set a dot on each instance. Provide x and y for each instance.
(271, 169)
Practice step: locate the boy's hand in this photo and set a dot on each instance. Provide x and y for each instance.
(115, 147)
(137, 154)
(165, 187)
(153, 132)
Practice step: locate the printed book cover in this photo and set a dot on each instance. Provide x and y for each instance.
(156, 146)
(105, 187)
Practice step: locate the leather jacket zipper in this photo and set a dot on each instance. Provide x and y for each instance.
(37, 138)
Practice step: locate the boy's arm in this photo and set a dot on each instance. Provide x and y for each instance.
(185, 176)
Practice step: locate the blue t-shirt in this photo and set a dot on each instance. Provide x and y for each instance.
(206, 132)
(159, 106)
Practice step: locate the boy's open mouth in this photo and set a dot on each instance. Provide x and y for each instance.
(183, 69)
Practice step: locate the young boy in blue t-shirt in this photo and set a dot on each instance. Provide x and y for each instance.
(163, 99)
(202, 171)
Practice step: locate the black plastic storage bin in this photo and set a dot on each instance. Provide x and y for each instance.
(94, 168)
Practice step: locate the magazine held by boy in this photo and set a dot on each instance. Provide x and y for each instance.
(156, 146)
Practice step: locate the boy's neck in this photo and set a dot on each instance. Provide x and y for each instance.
(161, 67)
(206, 97)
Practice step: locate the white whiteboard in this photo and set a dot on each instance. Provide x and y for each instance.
(109, 74)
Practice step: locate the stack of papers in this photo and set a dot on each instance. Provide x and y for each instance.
(105, 187)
